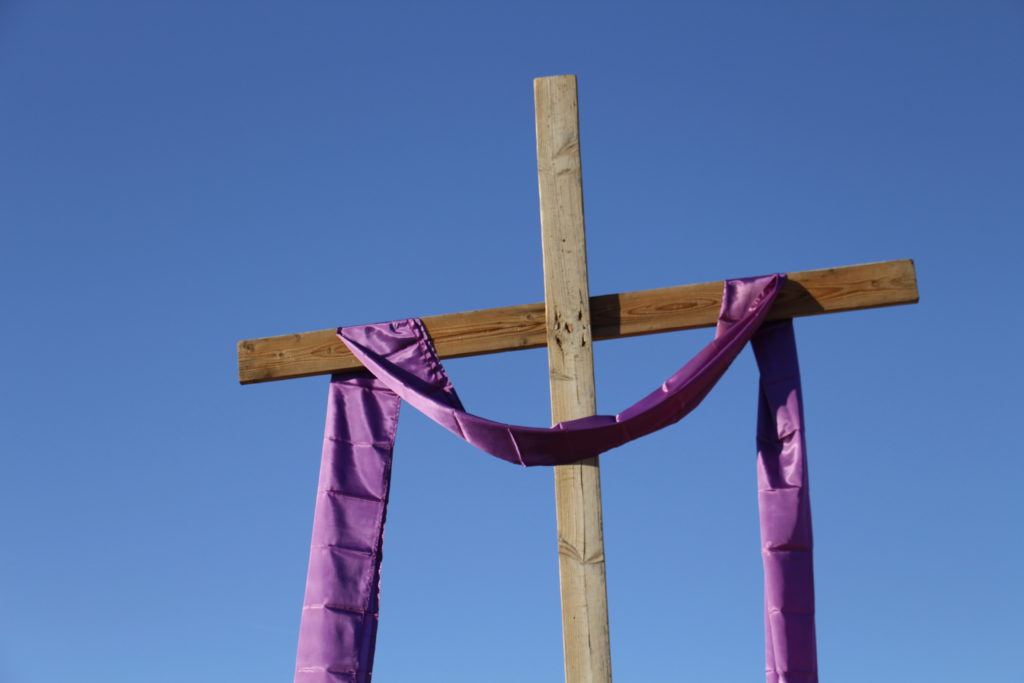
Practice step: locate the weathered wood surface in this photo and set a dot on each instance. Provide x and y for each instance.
(494, 330)
(581, 570)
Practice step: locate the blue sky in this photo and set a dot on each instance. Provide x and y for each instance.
(175, 176)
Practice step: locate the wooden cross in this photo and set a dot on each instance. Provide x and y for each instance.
(568, 322)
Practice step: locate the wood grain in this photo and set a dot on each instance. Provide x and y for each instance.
(628, 314)
(581, 568)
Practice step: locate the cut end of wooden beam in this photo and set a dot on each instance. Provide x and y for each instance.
(549, 78)
(272, 358)
(849, 288)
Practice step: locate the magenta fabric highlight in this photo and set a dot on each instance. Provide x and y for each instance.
(339, 616)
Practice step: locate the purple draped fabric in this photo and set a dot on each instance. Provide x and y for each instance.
(784, 505)
(374, 346)
(339, 616)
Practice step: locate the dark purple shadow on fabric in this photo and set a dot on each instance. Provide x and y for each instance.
(340, 609)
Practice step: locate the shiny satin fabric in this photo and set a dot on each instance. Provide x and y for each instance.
(784, 508)
(744, 311)
(340, 608)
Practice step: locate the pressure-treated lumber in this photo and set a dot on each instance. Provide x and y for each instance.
(627, 314)
(571, 373)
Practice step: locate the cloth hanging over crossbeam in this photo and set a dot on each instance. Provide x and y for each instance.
(340, 611)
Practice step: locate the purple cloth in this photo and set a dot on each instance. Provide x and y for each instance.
(339, 612)
(340, 609)
(378, 346)
(784, 506)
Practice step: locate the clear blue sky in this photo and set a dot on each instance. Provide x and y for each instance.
(175, 176)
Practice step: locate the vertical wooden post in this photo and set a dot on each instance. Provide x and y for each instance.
(571, 366)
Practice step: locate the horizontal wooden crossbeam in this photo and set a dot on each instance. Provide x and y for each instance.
(493, 330)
